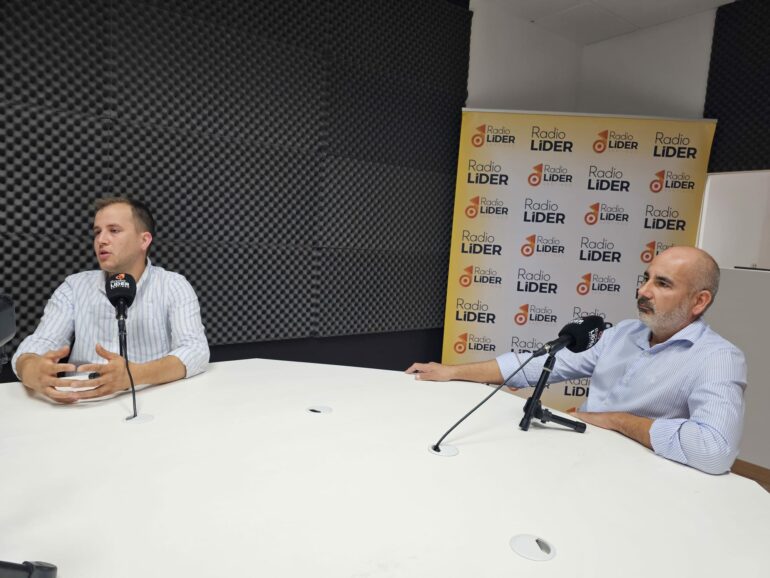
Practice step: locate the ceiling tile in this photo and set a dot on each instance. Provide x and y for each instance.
(652, 12)
(586, 24)
(534, 9)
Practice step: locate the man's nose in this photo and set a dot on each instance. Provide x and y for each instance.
(644, 289)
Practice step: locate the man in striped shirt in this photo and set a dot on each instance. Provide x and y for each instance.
(166, 339)
(666, 380)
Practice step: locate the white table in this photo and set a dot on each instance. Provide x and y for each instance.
(234, 477)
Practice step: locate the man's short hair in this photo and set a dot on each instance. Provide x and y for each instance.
(142, 214)
(707, 276)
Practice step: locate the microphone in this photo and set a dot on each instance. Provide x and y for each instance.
(577, 336)
(121, 290)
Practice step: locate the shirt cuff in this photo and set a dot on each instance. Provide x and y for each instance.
(664, 438)
(194, 360)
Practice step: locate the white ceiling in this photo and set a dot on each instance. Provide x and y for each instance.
(589, 21)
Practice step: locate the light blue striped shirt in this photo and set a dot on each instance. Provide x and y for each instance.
(163, 320)
(691, 386)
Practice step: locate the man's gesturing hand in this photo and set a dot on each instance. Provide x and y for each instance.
(39, 373)
(112, 377)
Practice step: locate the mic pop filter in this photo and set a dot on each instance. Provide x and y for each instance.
(583, 333)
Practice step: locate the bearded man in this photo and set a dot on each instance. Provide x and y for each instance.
(666, 380)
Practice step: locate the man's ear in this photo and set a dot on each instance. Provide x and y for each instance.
(703, 299)
(146, 240)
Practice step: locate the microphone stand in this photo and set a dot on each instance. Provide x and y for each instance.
(123, 345)
(534, 408)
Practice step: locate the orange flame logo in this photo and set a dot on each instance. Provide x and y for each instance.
(600, 144)
(649, 252)
(656, 185)
(473, 208)
(477, 139)
(585, 285)
(461, 345)
(467, 278)
(528, 248)
(521, 317)
(592, 216)
(536, 177)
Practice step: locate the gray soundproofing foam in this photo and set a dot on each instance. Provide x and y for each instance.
(299, 155)
(57, 54)
(738, 87)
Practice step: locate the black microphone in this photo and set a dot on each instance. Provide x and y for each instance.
(121, 290)
(577, 336)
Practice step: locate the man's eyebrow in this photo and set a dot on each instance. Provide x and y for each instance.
(664, 278)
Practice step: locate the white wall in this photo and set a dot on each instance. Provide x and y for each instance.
(516, 65)
(735, 220)
(740, 314)
(657, 71)
(735, 229)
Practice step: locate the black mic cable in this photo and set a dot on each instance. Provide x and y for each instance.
(437, 448)
(124, 347)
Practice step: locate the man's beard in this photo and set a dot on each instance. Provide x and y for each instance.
(663, 323)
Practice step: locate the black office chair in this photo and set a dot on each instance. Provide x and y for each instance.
(27, 570)
(7, 324)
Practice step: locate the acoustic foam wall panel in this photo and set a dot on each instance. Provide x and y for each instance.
(407, 290)
(393, 121)
(195, 76)
(206, 188)
(258, 293)
(738, 87)
(299, 156)
(57, 54)
(379, 207)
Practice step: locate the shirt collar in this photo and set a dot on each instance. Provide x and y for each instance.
(688, 334)
(102, 279)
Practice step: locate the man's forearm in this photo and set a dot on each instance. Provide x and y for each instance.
(482, 372)
(633, 426)
(163, 370)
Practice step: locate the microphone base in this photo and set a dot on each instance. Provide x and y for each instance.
(141, 418)
(534, 408)
(546, 416)
(446, 451)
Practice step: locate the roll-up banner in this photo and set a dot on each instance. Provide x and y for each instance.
(556, 217)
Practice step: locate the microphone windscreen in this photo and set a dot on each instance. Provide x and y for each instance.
(120, 286)
(584, 332)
